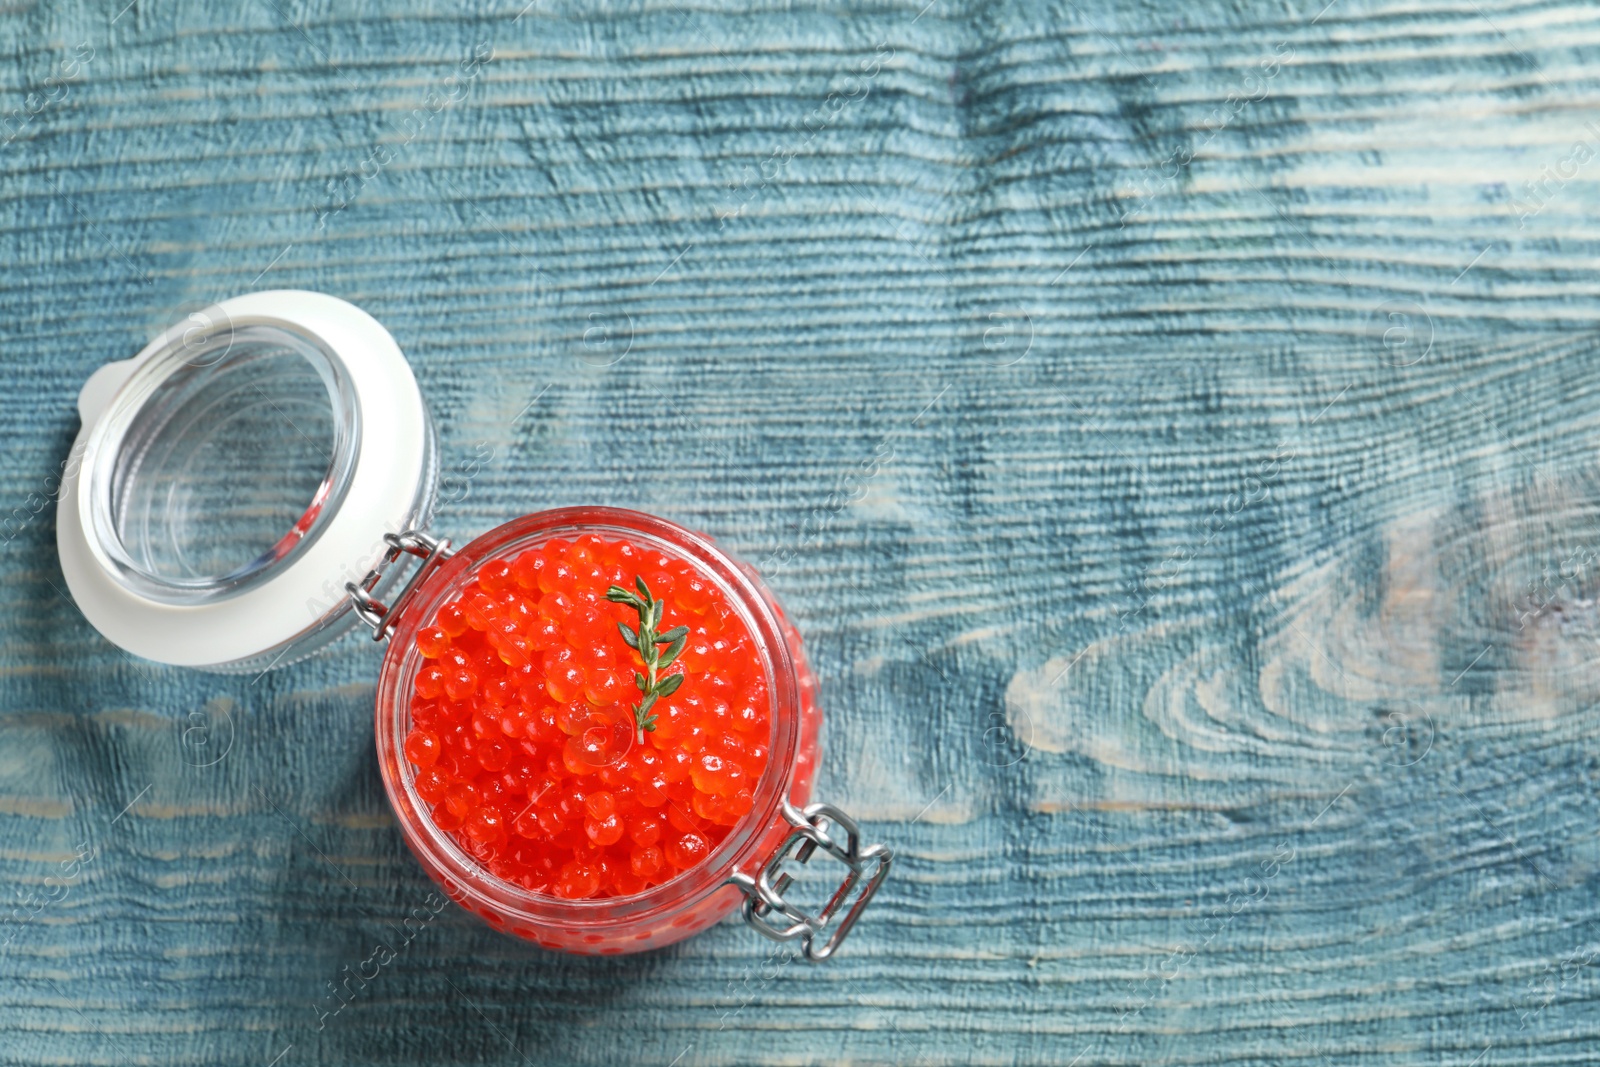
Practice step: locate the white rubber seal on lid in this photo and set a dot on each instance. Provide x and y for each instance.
(293, 600)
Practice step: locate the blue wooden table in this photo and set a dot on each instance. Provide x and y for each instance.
(1173, 428)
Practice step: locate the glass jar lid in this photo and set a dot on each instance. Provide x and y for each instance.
(235, 474)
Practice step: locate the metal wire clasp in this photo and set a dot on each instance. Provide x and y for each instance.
(381, 617)
(764, 892)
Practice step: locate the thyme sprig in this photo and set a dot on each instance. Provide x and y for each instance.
(646, 641)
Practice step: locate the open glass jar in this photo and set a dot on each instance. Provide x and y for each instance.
(256, 483)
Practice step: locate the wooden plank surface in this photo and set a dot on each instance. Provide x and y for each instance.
(1173, 428)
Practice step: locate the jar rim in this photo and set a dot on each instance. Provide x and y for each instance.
(439, 851)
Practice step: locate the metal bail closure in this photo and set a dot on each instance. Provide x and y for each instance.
(764, 892)
(383, 618)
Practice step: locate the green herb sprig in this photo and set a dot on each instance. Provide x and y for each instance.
(646, 641)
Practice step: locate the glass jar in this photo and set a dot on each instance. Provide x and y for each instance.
(256, 482)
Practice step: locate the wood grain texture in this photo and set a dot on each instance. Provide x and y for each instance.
(1173, 428)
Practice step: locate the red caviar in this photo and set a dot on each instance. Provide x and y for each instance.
(524, 738)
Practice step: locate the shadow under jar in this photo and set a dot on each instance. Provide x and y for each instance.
(176, 553)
